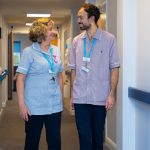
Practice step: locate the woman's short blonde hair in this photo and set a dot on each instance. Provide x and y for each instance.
(37, 31)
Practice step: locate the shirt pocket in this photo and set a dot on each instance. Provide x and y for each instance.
(100, 64)
(57, 97)
(99, 58)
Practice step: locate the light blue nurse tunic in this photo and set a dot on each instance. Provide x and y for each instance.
(42, 95)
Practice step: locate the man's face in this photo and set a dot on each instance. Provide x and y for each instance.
(83, 20)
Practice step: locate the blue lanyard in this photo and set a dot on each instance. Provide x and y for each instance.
(50, 60)
(84, 48)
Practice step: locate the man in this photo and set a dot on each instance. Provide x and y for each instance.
(95, 71)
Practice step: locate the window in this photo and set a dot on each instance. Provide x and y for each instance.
(17, 49)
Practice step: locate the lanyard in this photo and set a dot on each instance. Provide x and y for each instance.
(84, 48)
(50, 60)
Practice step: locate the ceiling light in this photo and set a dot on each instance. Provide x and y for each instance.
(28, 24)
(38, 15)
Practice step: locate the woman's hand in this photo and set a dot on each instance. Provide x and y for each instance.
(71, 103)
(24, 112)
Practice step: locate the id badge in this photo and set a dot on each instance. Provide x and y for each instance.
(85, 69)
(53, 78)
(52, 75)
(87, 59)
(50, 71)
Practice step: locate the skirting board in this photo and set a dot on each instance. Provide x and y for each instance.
(110, 144)
(1, 111)
(4, 104)
(2, 108)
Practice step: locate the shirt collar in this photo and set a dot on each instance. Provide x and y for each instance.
(36, 46)
(96, 36)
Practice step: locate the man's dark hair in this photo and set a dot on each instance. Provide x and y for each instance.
(92, 10)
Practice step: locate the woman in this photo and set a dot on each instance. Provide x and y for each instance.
(39, 86)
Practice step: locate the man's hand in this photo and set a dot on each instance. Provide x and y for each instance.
(110, 101)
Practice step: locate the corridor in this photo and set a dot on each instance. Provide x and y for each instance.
(12, 130)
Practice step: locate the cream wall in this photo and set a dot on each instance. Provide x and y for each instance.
(111, 120)
(70, 25)
(65, 27)
(3, 62)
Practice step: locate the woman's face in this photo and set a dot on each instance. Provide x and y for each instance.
(51, 33)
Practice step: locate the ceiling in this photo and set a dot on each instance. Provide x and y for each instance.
(14, 11)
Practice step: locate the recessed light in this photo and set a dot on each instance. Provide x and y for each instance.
(28, 24)
(38, 15)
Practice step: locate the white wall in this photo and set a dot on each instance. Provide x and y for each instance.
(126, 36)
(143, 74)
(143, 44)
(133, 120)
(23, 38)
(19, 29)
(91, 1)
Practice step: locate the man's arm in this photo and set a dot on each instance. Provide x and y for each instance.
(113, 88)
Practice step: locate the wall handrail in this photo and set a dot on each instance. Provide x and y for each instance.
(3, 74)
(139, 95)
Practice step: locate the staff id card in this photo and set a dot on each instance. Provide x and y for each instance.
(50, 71)
(86, 59)
(52, 75)
(85, 69)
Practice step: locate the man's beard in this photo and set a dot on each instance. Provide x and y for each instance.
(84, 27)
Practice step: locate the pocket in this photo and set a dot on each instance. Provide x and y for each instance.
(57, 96)
(100, 57)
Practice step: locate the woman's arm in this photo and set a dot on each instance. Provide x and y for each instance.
(60, 81)
(24, 112)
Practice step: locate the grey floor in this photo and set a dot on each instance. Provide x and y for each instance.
(12, 130)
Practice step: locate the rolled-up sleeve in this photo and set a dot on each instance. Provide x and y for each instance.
(114, 57)
(24, 62)
(72, 56)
